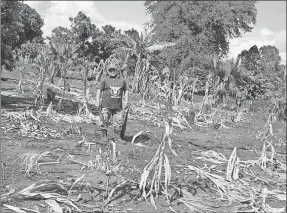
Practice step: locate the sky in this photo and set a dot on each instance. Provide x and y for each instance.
(270, 26)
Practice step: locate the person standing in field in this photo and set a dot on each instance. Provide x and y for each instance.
(112, 90)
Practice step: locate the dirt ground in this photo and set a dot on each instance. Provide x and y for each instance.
(92, 190)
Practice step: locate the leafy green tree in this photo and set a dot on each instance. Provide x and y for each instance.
(31, 49)
(109, 30)
(95, 45)
(270, 58)
(250, 59)
(19, 23)
(81, 25)
(63, 34)
(198, 27)
(134, 34)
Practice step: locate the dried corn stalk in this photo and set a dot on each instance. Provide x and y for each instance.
(83, 109)
(157, 164)
(231, 191)
(195, 204)
(212, 156)
(41, 190)
(232, 166)
(262, 161)
(31, 160)
(49, 109)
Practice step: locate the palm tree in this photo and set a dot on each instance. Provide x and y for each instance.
(224, 77)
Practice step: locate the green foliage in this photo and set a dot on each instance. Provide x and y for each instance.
(134, 34)
(266, 58)
(198, 27)
(164, 60)
(262, 71)
(251, 58)
(230, 80)
(62, 34)
(31, 49)
(109, 30)
(270, 58)
(81, 26)
(19, 23)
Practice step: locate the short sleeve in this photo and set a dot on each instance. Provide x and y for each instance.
(101, 85)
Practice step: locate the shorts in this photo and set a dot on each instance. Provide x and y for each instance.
(117, 117)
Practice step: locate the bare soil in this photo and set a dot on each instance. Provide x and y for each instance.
(126, 199)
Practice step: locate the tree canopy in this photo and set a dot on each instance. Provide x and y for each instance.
(250, 59)
(270, 58)
(199, 27)
(266, 58)
(19, 23)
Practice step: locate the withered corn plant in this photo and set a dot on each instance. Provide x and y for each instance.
(63, 54)
(30, 160)
(232, 171)
(165, 92)
(43, 64)
(179, 88)
(193, 89)
(84, 67)
(158, 169)
(266, 137)
(141, 47)
(207, 100)
(23, 63)
(99, 70)
(232, 191)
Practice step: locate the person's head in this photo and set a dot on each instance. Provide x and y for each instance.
(113, 70)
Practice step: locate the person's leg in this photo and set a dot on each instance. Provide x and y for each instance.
(118, 121)
(106, 114)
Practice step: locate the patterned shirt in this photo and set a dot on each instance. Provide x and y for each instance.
(112, 91)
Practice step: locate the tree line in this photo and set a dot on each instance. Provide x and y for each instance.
(183, 38)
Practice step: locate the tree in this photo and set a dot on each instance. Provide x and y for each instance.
(62, 33)
(270, 58)
(199, 27)
(250, 59)
(81, 25)
(134, 34)
(19, 23)
(94, 44)
(109, 30)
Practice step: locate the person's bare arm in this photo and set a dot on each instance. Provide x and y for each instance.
(126, 98)
(98, 98)
(126, 94)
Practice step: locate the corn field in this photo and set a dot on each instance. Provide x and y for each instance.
(203, 133)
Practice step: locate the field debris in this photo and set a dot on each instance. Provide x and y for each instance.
(98, 119)
(251, 193)
(159, 162)
(229, 180)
